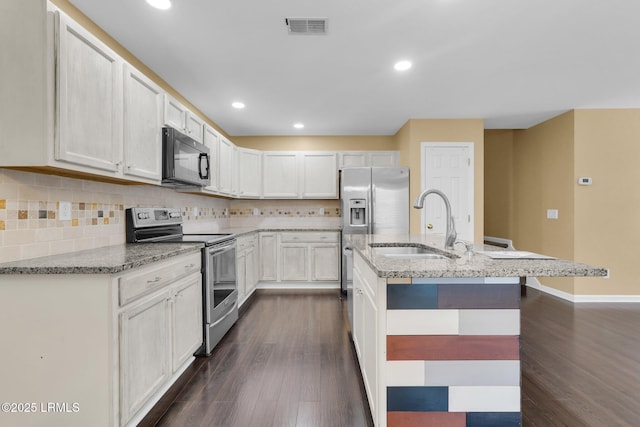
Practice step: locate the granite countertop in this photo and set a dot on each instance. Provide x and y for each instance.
(461, 265)
(106, 260)
(239, 231)
(117, 258)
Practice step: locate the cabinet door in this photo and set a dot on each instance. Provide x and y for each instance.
(268, 256)
(89, 99)
(241, 275)
(358, 317)
(143, 103)
(212, 140)
(325, 262)
(352, 160)
(249, 173)
(369, 349)
(250, 272)
(280, 175)
(186, 319)
(194, 126)
(174, 113)
(225, 166)
(294, 261)
(144, 352)
(319, 175)
(384, 158)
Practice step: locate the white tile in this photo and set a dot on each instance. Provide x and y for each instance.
(405, 372)
(484, 399)
(489, 322)
(472, 372)
(422, 322)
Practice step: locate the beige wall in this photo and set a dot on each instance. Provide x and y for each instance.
(312, 143)
(607, 213)
(498, 183)
(543, 179)
(416, 131)
(597, 224)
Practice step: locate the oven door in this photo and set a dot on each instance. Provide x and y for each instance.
(221, 294)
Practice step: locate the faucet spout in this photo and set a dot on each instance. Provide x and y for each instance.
(451, 234)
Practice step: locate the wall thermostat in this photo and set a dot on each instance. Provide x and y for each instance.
(585, 181)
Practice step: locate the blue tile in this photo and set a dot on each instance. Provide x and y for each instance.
(407, 297)
(494, 419)
(417, 399)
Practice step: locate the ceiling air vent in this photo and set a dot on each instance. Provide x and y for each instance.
(306, 25)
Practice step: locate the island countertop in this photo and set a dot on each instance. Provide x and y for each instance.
(460, 265)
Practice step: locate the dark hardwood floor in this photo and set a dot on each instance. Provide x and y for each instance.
(289, 362)
(580, 362)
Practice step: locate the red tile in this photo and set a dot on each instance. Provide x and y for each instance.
(453, 347)
(421, 419)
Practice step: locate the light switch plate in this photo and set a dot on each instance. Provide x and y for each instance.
(64, 211)
(552, 213)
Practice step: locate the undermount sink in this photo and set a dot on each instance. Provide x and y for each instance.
(408, 252)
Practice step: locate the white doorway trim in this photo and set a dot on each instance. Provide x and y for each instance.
(424, 146)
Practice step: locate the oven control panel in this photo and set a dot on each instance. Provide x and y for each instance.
(152, 217)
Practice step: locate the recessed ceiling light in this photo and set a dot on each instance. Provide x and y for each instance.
(298, 125)
(238, 105)
(402, 65)
(160, 4)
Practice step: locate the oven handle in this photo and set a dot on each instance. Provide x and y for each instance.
(235, 304)
(220, 249)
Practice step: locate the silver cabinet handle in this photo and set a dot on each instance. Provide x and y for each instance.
(189, 266)
(155, 280)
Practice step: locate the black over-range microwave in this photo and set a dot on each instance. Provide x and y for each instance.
(185, 161)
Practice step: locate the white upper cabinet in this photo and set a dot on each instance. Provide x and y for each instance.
(89, 99)
(249, 172)
(280, 174)
(179, 117)
(351, 159)
(143, 101)
(212, 141)
(225, 165)
(319, 175)
(384, 158)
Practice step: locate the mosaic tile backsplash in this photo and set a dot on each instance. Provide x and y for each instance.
(30, 227)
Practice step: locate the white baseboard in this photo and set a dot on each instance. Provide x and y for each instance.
(532, 282)
(298, 285)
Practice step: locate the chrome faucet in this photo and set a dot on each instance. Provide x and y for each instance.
(451, 228)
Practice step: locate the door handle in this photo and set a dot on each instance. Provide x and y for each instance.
(430, 226)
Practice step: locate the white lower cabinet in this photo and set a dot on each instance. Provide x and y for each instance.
(186, 319)
(294, 262)
(300, 256)
(365, 327)
(160, 328)
(247, 265)
(144, 357)
(268, 256)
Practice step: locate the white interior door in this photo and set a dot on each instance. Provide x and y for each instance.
(448, 167)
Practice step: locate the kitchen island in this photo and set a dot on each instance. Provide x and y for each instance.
(438, 338)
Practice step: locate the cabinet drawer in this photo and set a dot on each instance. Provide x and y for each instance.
(309, 237)
(147, 279)
(369, 277)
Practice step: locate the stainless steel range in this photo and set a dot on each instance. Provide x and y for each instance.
(219, 288)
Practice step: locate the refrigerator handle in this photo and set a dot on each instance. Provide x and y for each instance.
(372, 203)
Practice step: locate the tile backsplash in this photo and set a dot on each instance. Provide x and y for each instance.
(30, 226)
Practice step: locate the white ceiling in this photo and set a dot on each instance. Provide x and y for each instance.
(513, 63)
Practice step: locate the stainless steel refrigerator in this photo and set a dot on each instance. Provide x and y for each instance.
(373, 201)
